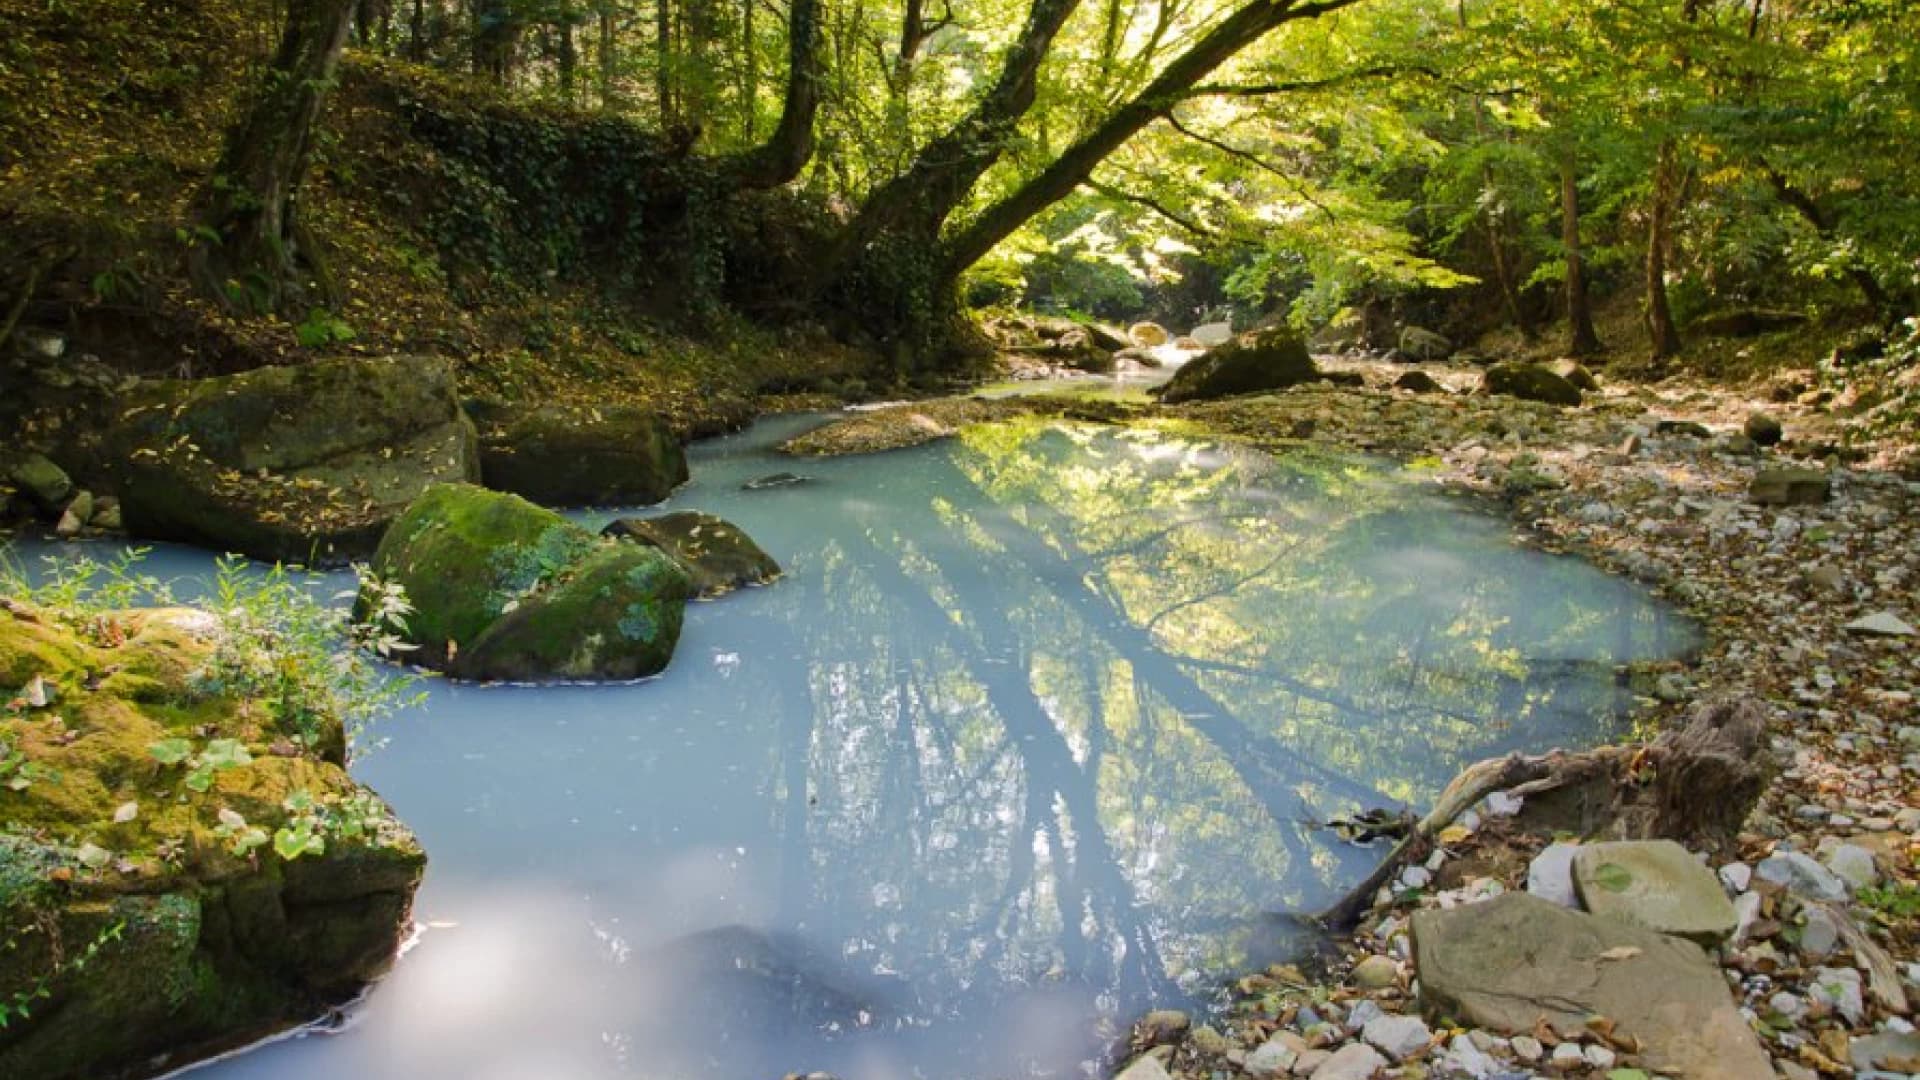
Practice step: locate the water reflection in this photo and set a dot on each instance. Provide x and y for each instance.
(1032, 734)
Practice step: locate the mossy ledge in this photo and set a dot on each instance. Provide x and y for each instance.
(142, 929)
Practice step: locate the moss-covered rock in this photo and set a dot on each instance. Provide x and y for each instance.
(140, 936)
(504, 589)
(715, 553)
(1530, 382)
(302, 464)
(1271, 360)
(597, 457)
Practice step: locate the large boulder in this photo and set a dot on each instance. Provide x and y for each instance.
(1147, 335)
(584, 457)
(504, 589)
(145, 882)
(1516, 961)
(714, 552)
(303, 464)
(1419, 343)
(43, 484)
(1529, 382)
(1271, 360)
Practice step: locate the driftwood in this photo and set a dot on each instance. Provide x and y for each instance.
(1883, 979)
(1696, 785)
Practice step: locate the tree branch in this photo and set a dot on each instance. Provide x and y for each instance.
(1152, 204)
(1251, 159)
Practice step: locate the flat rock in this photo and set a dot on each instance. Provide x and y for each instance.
(1513, 960)
(1882, 624)
(1146, 1068)
(1398, 1037)
(1656, 884)
(1802, 875)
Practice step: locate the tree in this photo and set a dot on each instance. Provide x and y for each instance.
(255, 256)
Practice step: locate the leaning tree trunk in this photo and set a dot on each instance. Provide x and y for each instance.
(1582, 339)
(787, 151)
(258, 262)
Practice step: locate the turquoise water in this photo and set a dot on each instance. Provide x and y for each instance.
(1029, 739)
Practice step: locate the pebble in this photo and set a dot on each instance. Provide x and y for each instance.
(1567, 1056)
(1821, 933)
(1272, 1058)
(1801, 875)
(1376, 973)
(1399, 1037)
(1354, 1061)
(1527, 1048)
(1736, 876)
(1854, 864)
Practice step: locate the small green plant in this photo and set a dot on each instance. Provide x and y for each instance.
(218, 756)
(1896, 903)
(322, 328)
(17, 773)
(20, 1003)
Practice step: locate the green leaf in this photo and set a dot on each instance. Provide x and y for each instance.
(200, 779)
(170, 751)
(1613, 877)
(225, 754)
(1626, 1074)
(93, 856)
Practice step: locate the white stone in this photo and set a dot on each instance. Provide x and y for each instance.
(1212, 334)
(1599, 1057)
(1736, 877)
(1801, 875)
(1568, 1056)
(1527, 1048)
(1821, 934)
(1501, 804)
(1466, 1058)
(1839, 989)
(1362, 1013)
(1399, 1037)
(1550, 874)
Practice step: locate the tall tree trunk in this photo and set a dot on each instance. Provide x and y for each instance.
(1582, 339)
(787, 151)
(1663, 338)
(495, 32)
(663, 61)
(417, 31)
(1077, 162)
(608, 57)
(569, 59)
(252, 201)
(1503, 274)
(749, 73)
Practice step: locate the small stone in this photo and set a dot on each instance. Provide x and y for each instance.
(1416, 877)
(1881, 624)
(1354, 1061)
(1501, 804)
(1891, 1050)
(1598, 1056)
(1736, 876)
(1854, 864)
(1465, 1056)
(1205, 1040)
(1550, 874)
(1839, 990)
(1375, 973)
(1309, 1062)
(1821, 934)
(1568, 1056)
(1527, 1048)
(1362, 1013)
(1827, 578)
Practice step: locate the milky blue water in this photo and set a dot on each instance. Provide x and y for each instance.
(1029, 739)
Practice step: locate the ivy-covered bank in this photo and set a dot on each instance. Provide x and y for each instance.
(185, 863)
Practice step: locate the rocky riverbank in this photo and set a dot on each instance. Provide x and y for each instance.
(1808, 590)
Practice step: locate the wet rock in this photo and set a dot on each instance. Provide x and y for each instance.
(1516, 959)
(1271, 1058)
(305, 464)
(583, 457)
(775, 480)
(1529, 382)
(1801, 875)
(1162, 1027)
(1354, 1061)
(1418, 343)
(75, 517)
(1691, 429)
(714, 552)
(1656, 884)
(1790, 487)
(1145, 1068)
(1273, 360)
(504, 589)
(1763, 428)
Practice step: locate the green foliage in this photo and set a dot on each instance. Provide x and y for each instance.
(322, 328)
(1898, 902)
(19, 1004)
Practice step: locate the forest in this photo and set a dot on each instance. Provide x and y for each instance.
(959, 539)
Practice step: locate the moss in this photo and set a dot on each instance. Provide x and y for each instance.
(616, 616)
(185, 944)
(465, 555)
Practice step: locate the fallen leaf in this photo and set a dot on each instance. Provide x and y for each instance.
(127, 812)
